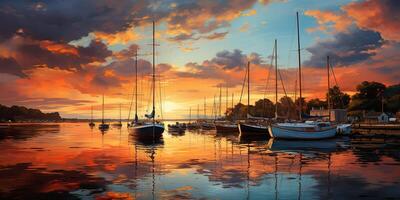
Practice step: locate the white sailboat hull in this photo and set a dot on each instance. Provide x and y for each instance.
(298, 134)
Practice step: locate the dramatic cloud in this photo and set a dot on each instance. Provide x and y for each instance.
(59, 20)
(227, 66)
(329, 21)
(129, 52)
(28, 54)
(10, 66)
(382, 16)
(345, 48)
(202, 17)
(235, 59)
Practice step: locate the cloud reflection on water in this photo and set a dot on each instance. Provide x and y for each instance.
(72, 161)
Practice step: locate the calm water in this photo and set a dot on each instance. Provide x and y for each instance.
(72, 161)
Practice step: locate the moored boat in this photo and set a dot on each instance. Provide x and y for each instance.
(148, 130)
(177, 127)
(152, 129)
(252, 129)
(103, 126)
(226, 127)
(303, 131)
(119, 123)
(207, 125)
(91, 123)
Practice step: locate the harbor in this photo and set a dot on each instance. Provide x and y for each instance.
(196, 164)
(200, 99)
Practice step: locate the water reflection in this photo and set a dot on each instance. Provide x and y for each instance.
(67, 161)
(26, 131)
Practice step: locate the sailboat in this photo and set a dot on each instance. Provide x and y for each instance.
(119, 124)
(103, 126)
(307, 130)
(91, 123)
(136, 118)
(205, 124)
(150, 129)
(342, 128)
(251, 128)
(191, 125)
(226, 126)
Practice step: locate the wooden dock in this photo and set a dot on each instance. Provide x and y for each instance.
(376, 130)
(377, 126)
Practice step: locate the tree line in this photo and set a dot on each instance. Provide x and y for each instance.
(21, 113)
(370, 96)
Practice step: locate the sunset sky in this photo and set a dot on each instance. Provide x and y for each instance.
(58, 55)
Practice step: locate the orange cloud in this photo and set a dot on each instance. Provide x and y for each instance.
(329, 21)
(58, 47)
(249, 13)
(122, 37)
(379, 16)
(382, 16)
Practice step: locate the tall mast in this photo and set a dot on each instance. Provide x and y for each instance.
(220, 103)
(205, 107)
(102, 113)
(298, 52)
(226, 106)
(154, 74)
(295, 89)
(136, 88)
(198, 111)
(248, 88)
(190, 114)
(276, 79)
(215, 109)
(91, 114)
(232, 108)
(120, 119)
(328, 98)
(232, 101)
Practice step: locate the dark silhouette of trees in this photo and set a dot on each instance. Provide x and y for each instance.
(264, 108)
(368, 96)
(392, 98)
(316, 103)
(338, 99)
(21, 113)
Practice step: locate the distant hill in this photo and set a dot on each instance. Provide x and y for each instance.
(22, 114)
